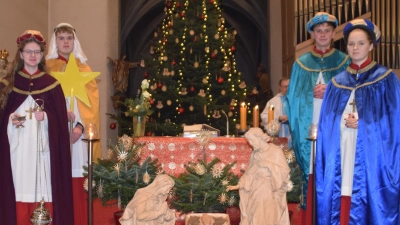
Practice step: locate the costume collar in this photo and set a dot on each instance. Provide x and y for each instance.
(362, 69)
(363, 65)
(320, 54)
(60, 57)
(35, 73)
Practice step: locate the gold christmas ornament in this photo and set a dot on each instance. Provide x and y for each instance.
(191, 108)
(223, 92)
(191, 32)
(146, 178)
(164, 88)
(169, 102)
(216, 36)
(165, 58)
(196, 64)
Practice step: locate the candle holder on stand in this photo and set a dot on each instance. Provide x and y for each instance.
(312, 136)
(90, 137)
(227, 123)
(272, 129)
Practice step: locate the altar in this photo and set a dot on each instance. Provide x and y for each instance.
(175, 152)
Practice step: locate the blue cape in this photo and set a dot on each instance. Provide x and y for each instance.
(376, 188)
(300, 97)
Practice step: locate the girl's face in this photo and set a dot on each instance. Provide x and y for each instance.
(32, 55)
(358, 46)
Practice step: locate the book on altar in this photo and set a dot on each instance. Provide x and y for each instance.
(193, 130)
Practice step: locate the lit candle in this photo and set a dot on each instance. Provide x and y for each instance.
(256, 116)
(270, 113)
(243, 115)
(71, 100)
(90, 135)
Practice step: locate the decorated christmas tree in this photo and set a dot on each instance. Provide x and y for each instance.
(192, 69)
(202, 188)
(116, 178)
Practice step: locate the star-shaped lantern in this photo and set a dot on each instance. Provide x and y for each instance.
(73, 81)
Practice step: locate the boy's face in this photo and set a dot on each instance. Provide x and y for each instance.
(65, 43)
(323, 35)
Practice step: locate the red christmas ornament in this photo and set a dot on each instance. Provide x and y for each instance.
(213, 55)
(202, 16)
(220, 80)
(232, 108)
(169, 24)
(151, 101)
(173, 62)
(149, 133)
(212, 1)
(195, 39)
(183, 14)
(146, 74)
(178, 5)
(112, 126)
(164, 40)
(181, 110)
(169, 4)
(192, 89)
(233, 49)
(221, 29)
(159, 85)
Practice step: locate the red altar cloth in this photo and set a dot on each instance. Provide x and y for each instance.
(174, 152)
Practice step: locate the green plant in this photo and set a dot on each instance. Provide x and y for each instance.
(294, 193)
(118, 177)
(202, 188)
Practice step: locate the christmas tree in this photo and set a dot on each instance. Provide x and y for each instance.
(203, 188)
(192, 69)
(117, 178)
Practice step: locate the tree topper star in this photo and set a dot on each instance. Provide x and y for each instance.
(73, 81)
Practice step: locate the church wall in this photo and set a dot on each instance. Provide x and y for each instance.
(97, 26)
(18, 16)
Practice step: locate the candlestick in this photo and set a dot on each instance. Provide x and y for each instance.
(270, 113)
(71, 100)
(256, 116)
(243, 116)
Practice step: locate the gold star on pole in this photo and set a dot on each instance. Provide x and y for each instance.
(73, 81)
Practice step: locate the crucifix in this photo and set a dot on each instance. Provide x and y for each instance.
(30, 112)
(353, 103)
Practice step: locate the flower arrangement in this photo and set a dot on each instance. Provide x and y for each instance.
(117, 177)
(139, 106)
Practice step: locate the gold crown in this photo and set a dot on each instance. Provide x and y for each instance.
(3, 54)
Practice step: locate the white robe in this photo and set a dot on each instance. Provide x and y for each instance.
(79, 148)
(24, 149)
(348, 139)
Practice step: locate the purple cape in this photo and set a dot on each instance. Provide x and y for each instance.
(47, 88)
